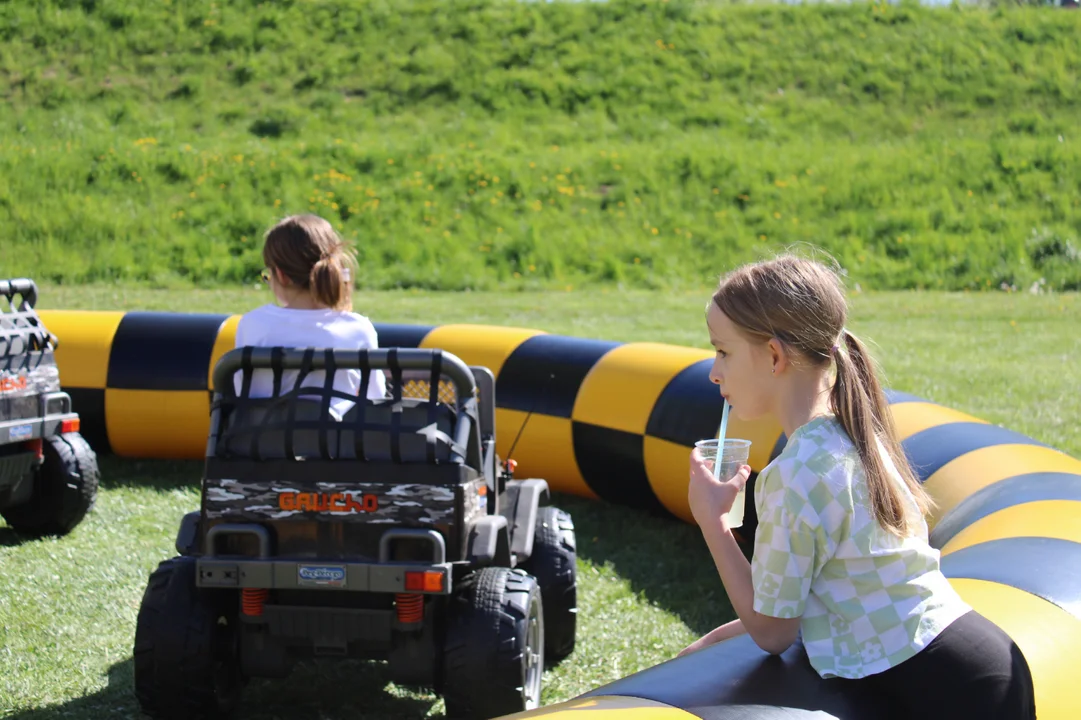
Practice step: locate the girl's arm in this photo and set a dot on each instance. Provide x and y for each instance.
(725, 632)
(710, 501)
(772, 634)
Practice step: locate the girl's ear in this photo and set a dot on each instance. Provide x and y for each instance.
(282, 278)
(777, 356)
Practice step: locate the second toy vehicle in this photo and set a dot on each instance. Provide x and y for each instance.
(48, 472)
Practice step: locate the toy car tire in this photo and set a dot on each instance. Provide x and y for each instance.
(186, 654)
(493, 656)
(65, 488)
(554, 564)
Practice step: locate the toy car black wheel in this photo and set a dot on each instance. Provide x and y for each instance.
(493, 657)
(186, 657)
(554, 564)
(64, 491)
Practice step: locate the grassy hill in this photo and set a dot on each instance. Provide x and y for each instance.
(486, 144)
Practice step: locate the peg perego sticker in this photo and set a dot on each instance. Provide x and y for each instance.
(21, 432)
(321, 575)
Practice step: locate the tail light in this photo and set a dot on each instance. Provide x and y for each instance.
(432, 581)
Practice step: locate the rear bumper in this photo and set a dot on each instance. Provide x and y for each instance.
(278, 574)
(55, 408)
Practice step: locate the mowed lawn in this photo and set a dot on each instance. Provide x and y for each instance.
(646, 585)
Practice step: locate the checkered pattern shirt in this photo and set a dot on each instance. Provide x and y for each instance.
(866, 599)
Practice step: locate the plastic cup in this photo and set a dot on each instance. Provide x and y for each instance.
(733, 457)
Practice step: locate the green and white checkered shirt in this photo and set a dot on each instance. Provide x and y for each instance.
(866, 599)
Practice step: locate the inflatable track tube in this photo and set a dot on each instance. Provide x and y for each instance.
(610, 421)
(616, 422)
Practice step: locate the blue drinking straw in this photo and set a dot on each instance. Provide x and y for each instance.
(720, 441)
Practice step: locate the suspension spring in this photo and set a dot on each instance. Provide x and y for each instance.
(252, 599)
(410, 607)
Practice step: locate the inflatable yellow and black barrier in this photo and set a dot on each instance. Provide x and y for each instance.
(615, 422)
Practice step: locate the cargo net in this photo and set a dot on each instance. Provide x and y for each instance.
(21, 330)
(409, 424)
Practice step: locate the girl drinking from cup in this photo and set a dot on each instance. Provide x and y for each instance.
(841, 553)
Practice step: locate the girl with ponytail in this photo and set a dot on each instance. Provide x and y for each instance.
(841, 553)
(310, 270)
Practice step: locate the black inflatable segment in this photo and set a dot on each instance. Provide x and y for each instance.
(737, 680)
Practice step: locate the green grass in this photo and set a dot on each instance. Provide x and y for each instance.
(647, 586)
(489, 144)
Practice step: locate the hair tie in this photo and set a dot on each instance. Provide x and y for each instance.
(330, 252)
(834, 349)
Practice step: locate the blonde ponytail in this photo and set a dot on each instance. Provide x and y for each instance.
(860, 404)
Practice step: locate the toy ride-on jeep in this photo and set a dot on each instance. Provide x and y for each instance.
(48, 472)
(335, 526)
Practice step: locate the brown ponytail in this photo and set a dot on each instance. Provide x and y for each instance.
(311, 254)
(801, 303)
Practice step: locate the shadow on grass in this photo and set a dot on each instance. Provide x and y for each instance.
(11, 538)
(328, 691)
(665, 560)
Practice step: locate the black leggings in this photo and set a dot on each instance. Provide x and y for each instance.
(971, 670)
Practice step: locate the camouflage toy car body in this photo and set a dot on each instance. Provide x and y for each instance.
(48, 472)
(390, 533)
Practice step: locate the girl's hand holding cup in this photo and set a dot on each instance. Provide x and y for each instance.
(711, 497)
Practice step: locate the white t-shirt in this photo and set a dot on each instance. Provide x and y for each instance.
(274, 326)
